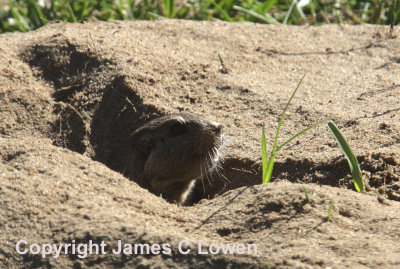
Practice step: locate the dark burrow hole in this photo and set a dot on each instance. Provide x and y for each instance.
(96, 119)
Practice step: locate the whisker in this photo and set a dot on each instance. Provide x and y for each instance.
(225, 178)
(202, 177)
(208, 170)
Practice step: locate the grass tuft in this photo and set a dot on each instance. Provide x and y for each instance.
(268, 162)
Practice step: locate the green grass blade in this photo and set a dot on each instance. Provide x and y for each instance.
(351, 159)
(19, 19)
(270, 164)
(119, 8)
(71, 13)
(263, 17)
(283, 114)
(37, 13)
(291, 97)
(155, 15)
(307, 196)
(300, 133)
(285, 20)
(224, 14)
(229, 4)
(169, 8)
(330, 211)
(264, 154)
(267, 5)
(394, 14)
(85, 10)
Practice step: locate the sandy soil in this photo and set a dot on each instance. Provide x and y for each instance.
(70, 94)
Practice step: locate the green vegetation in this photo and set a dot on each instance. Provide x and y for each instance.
(25, 15)
(330, 211)
(351, 159)
(307, 196)
(268, 162)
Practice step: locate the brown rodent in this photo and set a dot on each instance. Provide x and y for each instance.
(169, 153)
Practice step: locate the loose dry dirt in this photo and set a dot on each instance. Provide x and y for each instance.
(70, 94)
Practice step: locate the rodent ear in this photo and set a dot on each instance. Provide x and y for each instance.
(177, 128)
(146, 148)
(134, 164)
(138, 154)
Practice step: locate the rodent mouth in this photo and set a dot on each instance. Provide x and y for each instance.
(214, 156)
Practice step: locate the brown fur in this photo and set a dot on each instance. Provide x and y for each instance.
(169, 153)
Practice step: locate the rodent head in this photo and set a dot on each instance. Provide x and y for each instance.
(167, 154)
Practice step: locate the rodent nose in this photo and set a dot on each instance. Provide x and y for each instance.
(216, 127)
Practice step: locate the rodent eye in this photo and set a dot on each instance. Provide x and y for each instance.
(177, 129)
